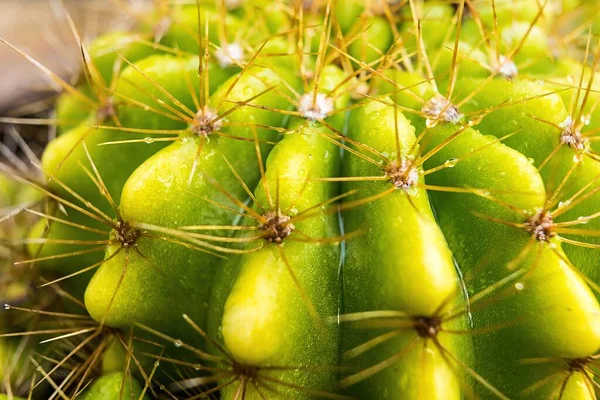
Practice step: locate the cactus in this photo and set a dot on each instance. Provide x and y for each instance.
(311, 199)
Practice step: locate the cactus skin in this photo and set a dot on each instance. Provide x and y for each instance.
(259, 199)
(109, 387)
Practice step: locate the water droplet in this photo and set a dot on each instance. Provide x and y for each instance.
(156, 363)
(149, 140)
(519, 286)
(197, 367)
(162, 387)
(7, 306)
(578, 157)
(178, 343)
(430, 123)
(451, 163)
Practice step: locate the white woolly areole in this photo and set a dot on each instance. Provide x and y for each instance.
(231, 4)
(571, 135)
(403, 174)
(229, 54)
(205, 122)
(507, 68)
(321, 108)
(439, 109)
(541, 226)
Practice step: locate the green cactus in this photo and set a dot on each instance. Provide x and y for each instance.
(290, 199)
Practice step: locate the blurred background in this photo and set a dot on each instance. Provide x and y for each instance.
(40, 28)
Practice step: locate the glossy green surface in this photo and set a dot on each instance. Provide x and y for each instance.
(258, 306)
(414, 275)
(160, 193)
(534, 275)
(114, 386)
